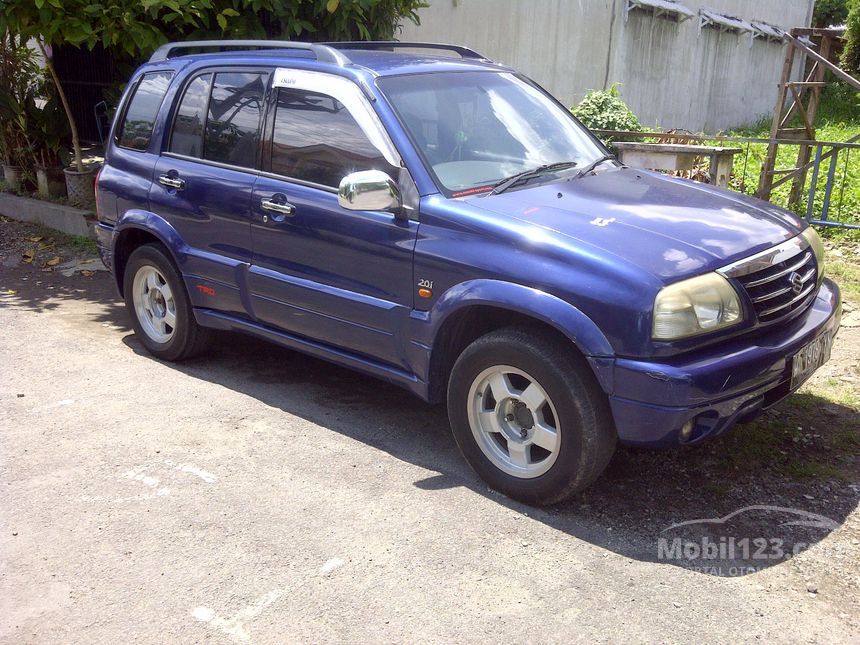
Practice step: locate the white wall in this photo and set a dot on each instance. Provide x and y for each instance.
(669, 73)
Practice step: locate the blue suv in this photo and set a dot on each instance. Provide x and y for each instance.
(424, 216)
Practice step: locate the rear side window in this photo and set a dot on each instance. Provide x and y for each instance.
(139, 120)
(233, 123)
(187, 137)
(317, 140)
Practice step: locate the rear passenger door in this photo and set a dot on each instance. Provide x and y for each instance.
(204, 178)
(343, 277)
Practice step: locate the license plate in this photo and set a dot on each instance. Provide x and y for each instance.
(810, 358)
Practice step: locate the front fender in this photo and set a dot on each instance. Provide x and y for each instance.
(554, 311)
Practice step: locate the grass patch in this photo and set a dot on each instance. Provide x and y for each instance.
(83, 245)
(813, 470)
(840, 392)
(846, 439)
(845, 270)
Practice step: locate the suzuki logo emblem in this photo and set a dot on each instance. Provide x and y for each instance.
(796, 281)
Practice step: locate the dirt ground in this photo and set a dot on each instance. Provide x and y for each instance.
(258, 495)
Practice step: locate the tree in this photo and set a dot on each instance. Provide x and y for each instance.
(138, 27)
(851, 52)
(829, 12)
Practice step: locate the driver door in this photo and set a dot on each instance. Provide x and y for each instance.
(338, 276)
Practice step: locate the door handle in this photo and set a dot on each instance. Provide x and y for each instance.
(282, 209)
(171, 182)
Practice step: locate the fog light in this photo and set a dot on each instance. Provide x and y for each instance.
(687, 430)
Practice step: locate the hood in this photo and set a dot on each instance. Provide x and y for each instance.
(667, 226)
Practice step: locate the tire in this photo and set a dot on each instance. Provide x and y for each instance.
(160, 309)
(538, 445)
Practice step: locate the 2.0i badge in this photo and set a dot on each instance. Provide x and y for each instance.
(425, 288)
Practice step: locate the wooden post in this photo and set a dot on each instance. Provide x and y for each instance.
(803, 154)
(766, 179)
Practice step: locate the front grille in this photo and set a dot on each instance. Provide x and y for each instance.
(781, 289)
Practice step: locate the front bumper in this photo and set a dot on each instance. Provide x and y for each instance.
(718, 387)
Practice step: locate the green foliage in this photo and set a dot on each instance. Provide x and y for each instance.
(604, 110)
(33, 128)
(829, 12)
(851, 52)
(840, 104)
(139, 27)
(19, 83)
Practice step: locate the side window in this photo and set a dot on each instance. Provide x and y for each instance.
(317, 140)
(233, 123)
(187, 137)
(136, 130)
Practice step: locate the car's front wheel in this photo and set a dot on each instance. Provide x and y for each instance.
(159, 306)
(529, 416)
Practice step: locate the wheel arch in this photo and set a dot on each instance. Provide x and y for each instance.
(478, 307)
(137, 228)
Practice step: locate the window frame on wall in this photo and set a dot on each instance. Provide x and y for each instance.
(214, 70)
(120, 128)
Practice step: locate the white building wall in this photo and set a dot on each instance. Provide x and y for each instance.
(670, 74)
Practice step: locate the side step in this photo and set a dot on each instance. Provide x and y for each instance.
(389, 373)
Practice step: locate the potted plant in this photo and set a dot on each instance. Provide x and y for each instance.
(50, 131)
(50, 178)
(13, 172)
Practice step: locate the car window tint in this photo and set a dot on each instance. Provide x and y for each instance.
(187, 137)
(232, 127)
(316, 139)
(136, 130)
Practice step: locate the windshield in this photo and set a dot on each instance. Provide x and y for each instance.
(475, 129)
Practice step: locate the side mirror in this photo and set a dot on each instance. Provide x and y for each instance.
(369, 190)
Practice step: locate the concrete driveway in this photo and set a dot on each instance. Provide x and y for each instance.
(257, 495)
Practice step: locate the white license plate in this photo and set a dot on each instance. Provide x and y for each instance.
(810, 358)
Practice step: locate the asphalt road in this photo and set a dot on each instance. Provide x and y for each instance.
(259, 495)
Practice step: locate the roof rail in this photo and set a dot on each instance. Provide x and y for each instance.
(464, 52)
(323, 53)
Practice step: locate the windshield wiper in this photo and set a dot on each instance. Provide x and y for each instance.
(507, 182)
(590, 167)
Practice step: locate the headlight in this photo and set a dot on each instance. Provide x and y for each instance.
(695, 306)
(817, 248)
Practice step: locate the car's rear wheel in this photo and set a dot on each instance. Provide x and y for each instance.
(529, 415)
(160, 309)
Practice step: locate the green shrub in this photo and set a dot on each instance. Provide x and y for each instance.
(840, 103)
(604, 110)
(851, 53)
